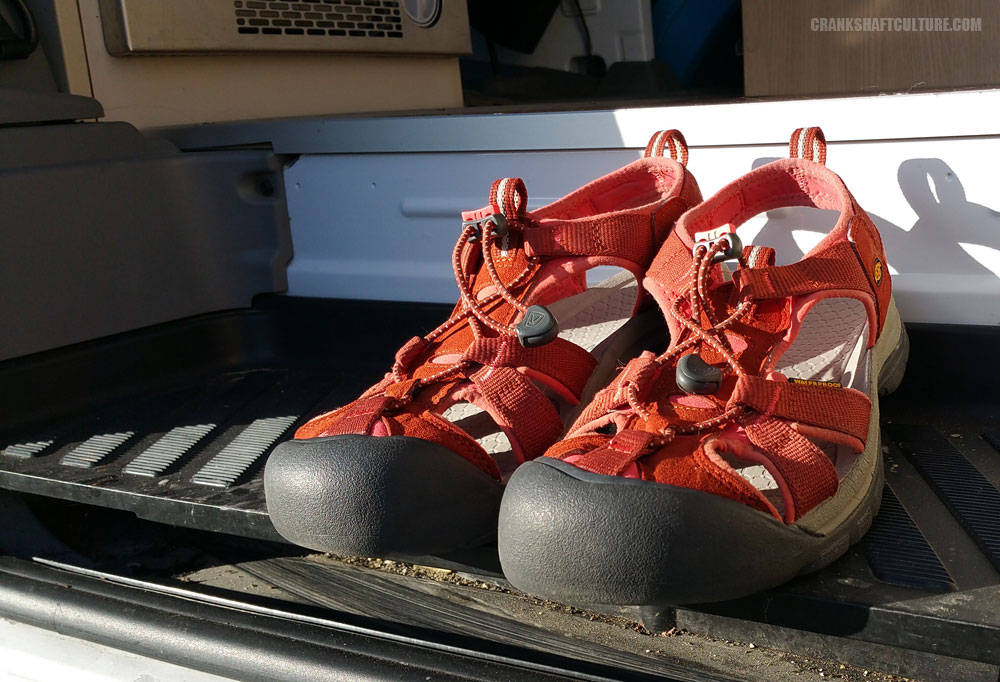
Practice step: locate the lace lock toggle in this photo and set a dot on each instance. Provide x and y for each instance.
(538, 326)
(710, 238)
(696, 376)
(483, 217)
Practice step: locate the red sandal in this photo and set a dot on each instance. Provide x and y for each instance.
(749, 451)
(416, 464)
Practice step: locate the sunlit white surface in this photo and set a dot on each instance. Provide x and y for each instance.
(382, 226)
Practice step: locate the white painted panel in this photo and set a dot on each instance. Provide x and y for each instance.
(381, 226)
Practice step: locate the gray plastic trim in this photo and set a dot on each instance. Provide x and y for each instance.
(35, 106)
(106, 231)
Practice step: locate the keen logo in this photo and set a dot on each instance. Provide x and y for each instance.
(877, 271)
(534, 318)
(819, 384)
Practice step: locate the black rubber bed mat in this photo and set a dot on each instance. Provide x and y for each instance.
(174, 423)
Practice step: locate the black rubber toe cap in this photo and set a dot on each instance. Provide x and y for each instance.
(575, 536)
(379, 496)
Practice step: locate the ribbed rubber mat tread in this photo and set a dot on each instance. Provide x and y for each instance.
(966, 492)
(897, 551)
(27, 450)
(993, 438)
(239, 455)
(92, 451)
(173, 445)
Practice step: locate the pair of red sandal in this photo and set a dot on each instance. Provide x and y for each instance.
(745, 453)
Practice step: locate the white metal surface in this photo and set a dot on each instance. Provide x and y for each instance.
(374, 201)
(381, 226)
(30, 654)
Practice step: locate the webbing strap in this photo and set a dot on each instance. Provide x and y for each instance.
(622, 450)
(514, 401)
(628, 236)
(559, 361)
(836, 268)
(828, 407)
(808, 474)
(360, 417)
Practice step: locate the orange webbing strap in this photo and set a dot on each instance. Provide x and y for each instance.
(359, 417)
(624, 448)
(668, 139)
(631, 236)
(515, 401)
(828, 407)
(559, 361)
(807, 472)
(835, 268)
(624, 235)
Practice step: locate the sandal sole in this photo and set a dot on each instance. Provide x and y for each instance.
(571, 535)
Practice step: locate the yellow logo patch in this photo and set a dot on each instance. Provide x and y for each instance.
(813, 382)
(877, 271)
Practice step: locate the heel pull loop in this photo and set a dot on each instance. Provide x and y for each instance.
(809, 144)
(668, 139)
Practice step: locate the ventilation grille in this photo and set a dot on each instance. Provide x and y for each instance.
(354, 18)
